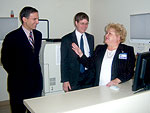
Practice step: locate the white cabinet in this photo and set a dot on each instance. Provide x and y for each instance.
(50, 64)
(7, 24)
(3, 85)
(3, 81)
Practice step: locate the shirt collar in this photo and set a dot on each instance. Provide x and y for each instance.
(78, 33)
(27, 32)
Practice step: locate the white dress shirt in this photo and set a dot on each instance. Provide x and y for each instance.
(27, 32)
(86, 45)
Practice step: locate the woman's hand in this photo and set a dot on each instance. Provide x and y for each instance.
(77, 50)
(114, 82)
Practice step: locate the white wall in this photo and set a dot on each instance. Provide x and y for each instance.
(60, 13)
(117, 11)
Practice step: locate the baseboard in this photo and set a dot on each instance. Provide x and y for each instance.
(3, 103)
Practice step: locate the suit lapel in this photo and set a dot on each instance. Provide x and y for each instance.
(35, 38)
(24, 38)
(74, 38)
(117, 53)
(37, 41)
(99, 61)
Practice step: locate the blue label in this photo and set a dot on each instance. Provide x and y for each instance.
(123, 56)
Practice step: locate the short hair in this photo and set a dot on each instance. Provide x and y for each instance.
(119, 29)
(26, 11)
(80, 16)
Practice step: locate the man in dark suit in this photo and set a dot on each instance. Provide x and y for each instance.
(73, 75)
(20, 58)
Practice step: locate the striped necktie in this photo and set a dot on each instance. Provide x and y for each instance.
(82, 68)
(31, 39)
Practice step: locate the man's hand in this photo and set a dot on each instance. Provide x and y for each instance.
(66, 86)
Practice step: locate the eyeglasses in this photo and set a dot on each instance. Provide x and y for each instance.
(84, 24)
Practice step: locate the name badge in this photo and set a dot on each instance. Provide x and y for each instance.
(123, 56)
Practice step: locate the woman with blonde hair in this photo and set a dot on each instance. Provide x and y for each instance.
(113, 62)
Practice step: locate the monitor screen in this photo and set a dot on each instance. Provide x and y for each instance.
(140, 28)
(43, 27)
(142, 72)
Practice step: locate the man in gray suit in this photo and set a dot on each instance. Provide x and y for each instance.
(73, 75)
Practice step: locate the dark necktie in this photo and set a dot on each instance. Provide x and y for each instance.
(82, 68)
(31, 39)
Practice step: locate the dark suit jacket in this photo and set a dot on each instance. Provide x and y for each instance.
(121, 68)
(70, 66)
(22, 63)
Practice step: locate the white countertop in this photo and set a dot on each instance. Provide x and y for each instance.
(57, 103)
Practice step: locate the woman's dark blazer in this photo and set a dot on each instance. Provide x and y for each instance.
(122, 69)
(22, 63)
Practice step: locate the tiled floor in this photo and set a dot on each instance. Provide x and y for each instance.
(4, 107)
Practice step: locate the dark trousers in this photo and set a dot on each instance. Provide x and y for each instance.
(86, 80)
(17, 106)
(16, 103)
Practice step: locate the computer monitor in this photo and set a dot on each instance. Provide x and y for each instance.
(142, 72)
(43, 27)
